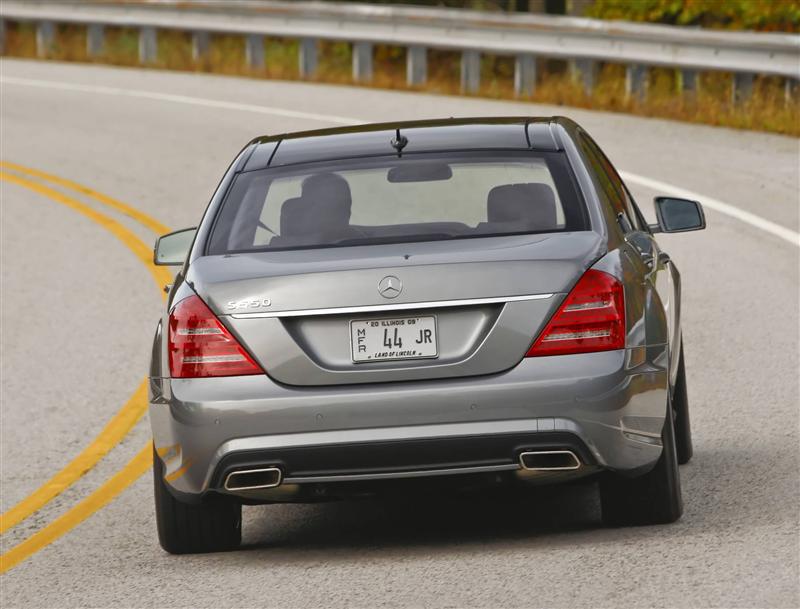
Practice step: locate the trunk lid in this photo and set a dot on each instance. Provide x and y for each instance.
(483, 299)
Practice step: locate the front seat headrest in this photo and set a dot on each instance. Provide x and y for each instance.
(330, 194)
(295, 217)
(530, 205)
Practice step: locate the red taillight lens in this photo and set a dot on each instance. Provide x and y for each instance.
(199, 345)
(591, 318)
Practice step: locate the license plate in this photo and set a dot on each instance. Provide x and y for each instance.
(375, 340)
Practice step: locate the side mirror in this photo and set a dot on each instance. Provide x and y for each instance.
(678, 215)
(172, 249)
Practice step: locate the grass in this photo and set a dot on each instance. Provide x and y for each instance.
(766, 110)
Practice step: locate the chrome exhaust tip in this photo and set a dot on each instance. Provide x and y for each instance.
(549, 460)
(253, 479)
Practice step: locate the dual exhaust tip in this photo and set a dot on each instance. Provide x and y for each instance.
(549, 461)
(536, 461)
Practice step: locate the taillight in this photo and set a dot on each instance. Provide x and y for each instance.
(591, 318)
(199, 345)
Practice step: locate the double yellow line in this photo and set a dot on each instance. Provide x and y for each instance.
(128, 415)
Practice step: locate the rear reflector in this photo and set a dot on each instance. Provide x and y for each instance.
(591, 318)
(199, 345)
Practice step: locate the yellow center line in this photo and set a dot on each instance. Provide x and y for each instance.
(142, 252)
(111, 435)
(142, 218)
(69, 520)
(134, 409)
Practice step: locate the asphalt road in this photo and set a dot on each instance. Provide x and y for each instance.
(78, 312)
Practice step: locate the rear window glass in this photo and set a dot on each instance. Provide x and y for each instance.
(396, 200)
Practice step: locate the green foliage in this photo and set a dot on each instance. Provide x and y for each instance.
(767, 15)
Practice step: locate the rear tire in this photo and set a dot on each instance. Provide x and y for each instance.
(680, 406)
(212, 526)
(654, 498)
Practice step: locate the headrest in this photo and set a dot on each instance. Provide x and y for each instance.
(532, 206)
(329, 193)
(323, 208)
(328, 185)
(294, 215)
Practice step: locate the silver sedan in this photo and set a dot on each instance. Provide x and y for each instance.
(424, 306)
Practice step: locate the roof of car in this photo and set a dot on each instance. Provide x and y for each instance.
(405, 137)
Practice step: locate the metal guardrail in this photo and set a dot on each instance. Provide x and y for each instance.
(583, 42)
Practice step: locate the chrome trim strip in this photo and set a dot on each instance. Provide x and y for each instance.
(644, 438)
(640, 432)
(408, 432)
(550, 469)
(432, 304)
(253, 471)
(405, 474)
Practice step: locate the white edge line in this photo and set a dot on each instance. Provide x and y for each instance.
(435, 304)
(180, 99)
(719, 206)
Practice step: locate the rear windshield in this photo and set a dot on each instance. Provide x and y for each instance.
(397, 200)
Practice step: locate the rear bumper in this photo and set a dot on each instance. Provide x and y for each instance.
(607, 407)
(473, 447)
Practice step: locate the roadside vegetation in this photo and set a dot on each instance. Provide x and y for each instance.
(769, 108)
(764, 15)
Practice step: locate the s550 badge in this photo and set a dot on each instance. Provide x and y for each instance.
(252, 303)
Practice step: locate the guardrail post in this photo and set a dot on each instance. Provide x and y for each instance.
(308, 57)
(362, 61)
(742, 87)
(690, 82)
(148, 44)
(470, 71)
(524, 75)
(95, 39)
(254, 51)
(416, 66)
(585, 72)
(45, 38)
(790, 88)
(635, 81)
(201, 42)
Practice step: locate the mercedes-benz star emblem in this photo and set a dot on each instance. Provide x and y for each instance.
(390, 286)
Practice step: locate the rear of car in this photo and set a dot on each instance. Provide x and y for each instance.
(447, 301)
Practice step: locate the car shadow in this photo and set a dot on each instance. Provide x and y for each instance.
(724, 487)
(433, 520)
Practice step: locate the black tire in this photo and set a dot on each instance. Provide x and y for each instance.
(654, 498)
(680, 407)
(212, 526)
